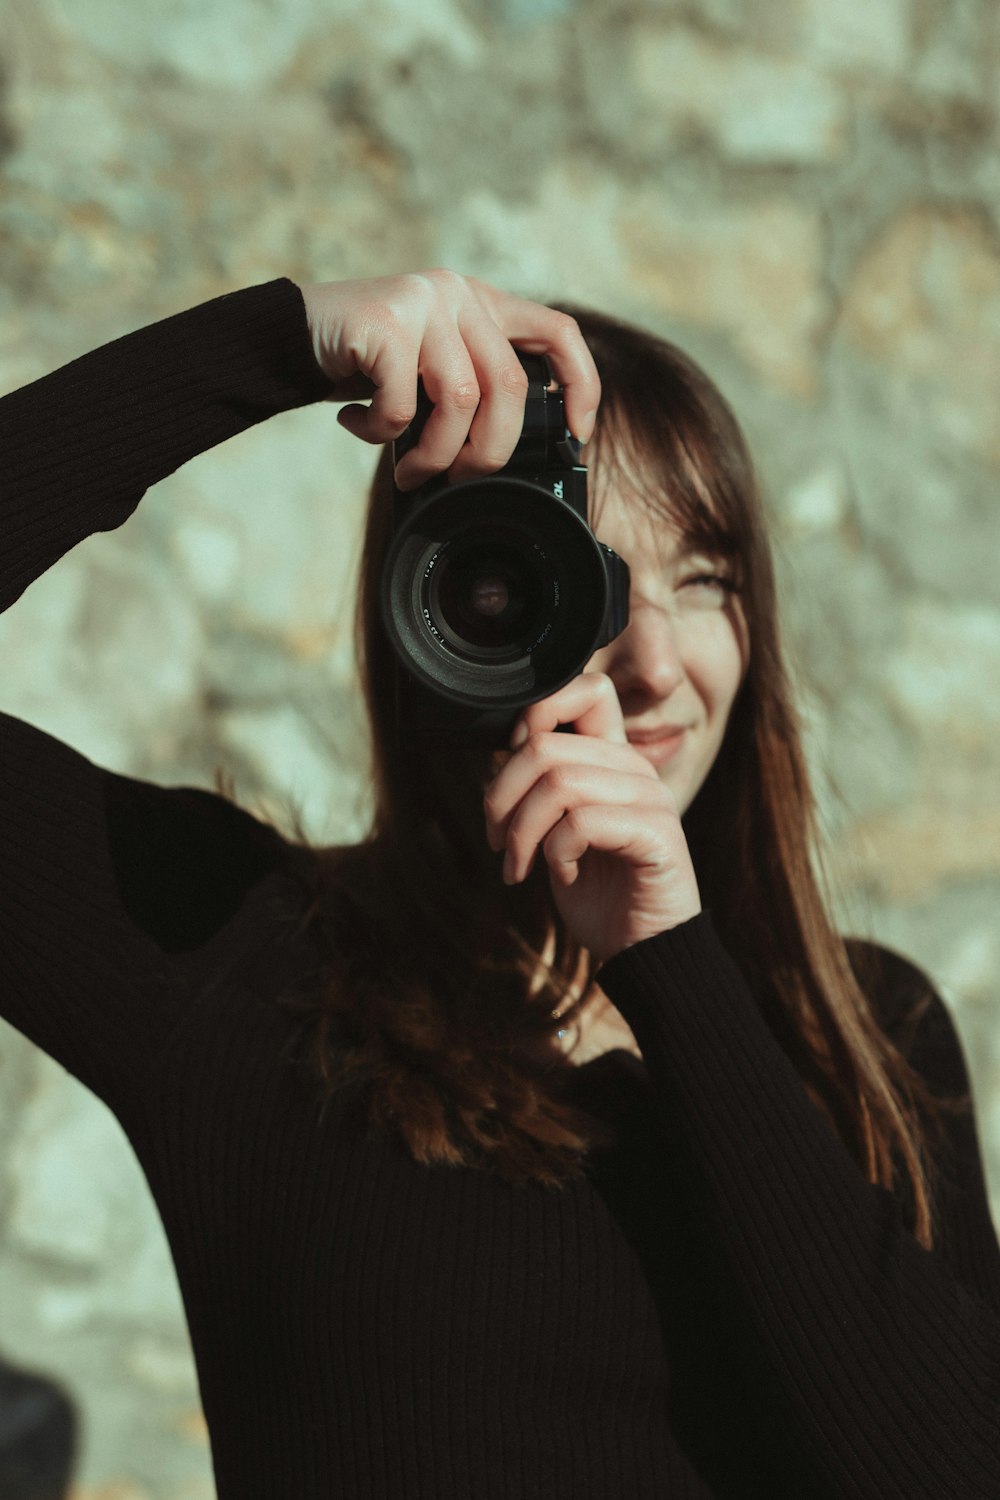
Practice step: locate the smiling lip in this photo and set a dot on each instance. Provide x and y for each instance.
(660, 746)
(648, 736)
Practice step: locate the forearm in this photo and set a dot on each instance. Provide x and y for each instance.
(79, 447)
(887, 1363)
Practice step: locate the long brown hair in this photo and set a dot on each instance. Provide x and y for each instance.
(441, 981)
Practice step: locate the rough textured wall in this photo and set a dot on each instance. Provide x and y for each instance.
(803, 194)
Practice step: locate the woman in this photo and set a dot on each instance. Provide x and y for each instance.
(625, 1178)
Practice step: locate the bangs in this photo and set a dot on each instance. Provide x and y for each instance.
(667, 439)
(659, 473)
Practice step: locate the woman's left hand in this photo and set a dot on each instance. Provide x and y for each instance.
(609, 829)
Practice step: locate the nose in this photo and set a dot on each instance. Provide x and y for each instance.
(644, 662)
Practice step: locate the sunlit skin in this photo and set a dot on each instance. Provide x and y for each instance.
(684, 653)
(680, 661)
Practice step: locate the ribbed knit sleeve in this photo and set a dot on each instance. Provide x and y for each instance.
(881, 1359)
(79, 973)
(79, 447)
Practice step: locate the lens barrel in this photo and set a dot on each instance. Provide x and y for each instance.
(493, 593)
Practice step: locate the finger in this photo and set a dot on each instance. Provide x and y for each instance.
(542, 330)
(375, 423)
(564, 790)
(450, 381)
(503, 386)
(589, 702)
(393, 376)
(542, 753)
(356, 387)
(625, 831)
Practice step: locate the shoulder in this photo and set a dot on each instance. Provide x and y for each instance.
(907, 1005)
(174, 862)
(184, 857)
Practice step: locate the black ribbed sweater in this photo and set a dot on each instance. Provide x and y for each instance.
(723, 1306)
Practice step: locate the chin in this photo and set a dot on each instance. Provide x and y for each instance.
(681, 796)
(680, 784)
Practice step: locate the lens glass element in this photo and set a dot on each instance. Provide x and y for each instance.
(491, 590)
(488, 593)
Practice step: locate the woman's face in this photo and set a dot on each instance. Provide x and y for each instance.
(681, 658)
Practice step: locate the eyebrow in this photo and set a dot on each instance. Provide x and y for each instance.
(712, 547)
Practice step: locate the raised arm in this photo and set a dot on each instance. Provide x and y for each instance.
(104, 880)
(79, 447)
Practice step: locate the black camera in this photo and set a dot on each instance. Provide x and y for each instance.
(495, 591)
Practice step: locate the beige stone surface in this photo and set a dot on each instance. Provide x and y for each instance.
(770, 298)
(924, 300)
(757, 106)
(860, 37)
(907, 856)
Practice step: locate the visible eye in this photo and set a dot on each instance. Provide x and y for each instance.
(718, 580)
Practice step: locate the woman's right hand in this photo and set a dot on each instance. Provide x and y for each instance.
(373, 338)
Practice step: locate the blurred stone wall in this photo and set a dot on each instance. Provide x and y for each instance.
(803, 194)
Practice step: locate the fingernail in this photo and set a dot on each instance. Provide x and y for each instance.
(519, 736)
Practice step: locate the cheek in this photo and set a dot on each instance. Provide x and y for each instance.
(714, 660)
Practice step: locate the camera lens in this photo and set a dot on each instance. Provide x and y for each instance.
(487, 596)
(491, 590)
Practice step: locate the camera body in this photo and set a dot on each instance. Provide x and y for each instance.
(495, 591)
